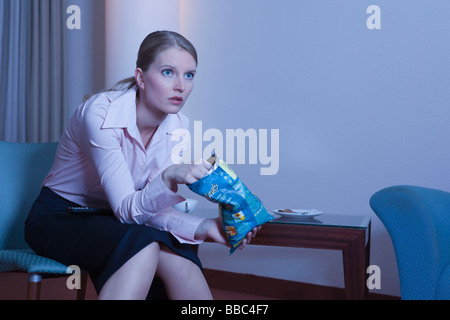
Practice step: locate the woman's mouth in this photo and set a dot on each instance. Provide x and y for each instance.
(176, 100)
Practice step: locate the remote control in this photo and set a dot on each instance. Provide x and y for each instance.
(89, 210)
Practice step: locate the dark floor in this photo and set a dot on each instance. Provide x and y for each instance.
(13, 286)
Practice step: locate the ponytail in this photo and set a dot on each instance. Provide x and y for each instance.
(152, 45)
(122, 85)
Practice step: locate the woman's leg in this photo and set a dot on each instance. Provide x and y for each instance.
(183, 279)
(132, 281)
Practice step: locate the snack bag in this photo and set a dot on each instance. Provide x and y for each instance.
(239, 209)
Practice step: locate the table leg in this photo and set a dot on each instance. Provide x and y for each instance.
(354, 258)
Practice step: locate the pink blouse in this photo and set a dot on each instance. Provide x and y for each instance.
(101, 162)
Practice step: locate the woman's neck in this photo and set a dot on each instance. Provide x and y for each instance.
(147, 121)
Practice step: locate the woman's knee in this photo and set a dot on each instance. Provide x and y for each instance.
(170, 262)
(148, 254)
(182, 278)
(152, 249)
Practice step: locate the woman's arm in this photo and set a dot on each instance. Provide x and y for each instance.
(184, 174)
(104, 151)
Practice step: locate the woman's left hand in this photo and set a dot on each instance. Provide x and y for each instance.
(249, 237)
(212, 229)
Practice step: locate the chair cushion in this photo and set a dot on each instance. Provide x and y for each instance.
(27, 260)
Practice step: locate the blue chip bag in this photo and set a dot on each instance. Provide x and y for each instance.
(240, 210)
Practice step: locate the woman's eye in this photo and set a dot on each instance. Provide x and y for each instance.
(167, 72)
(189, 76)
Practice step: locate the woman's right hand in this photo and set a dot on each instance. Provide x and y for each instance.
(184, 174)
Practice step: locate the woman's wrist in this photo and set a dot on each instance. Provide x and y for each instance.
(211, 228)
(202, 230)
(168, 181)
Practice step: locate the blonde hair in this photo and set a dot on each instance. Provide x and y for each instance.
(152, 45)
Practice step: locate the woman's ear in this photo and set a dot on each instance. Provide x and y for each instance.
(139, 76)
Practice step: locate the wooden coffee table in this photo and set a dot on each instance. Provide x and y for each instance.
(347, 233)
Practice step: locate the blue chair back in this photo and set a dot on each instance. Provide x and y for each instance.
(418, 221)
(23, 167)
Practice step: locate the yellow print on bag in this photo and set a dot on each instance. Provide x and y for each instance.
(239, 216)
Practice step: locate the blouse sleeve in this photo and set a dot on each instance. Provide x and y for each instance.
(181, 225)
(103, 149)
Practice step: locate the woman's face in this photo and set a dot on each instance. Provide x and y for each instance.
(168, 82)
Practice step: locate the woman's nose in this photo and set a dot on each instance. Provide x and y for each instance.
(179, 85)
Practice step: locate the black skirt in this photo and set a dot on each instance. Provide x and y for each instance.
(97, 243)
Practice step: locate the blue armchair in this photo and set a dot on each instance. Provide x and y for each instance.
(23, 167)
(418, 221)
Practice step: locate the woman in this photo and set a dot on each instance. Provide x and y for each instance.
(116, 155)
